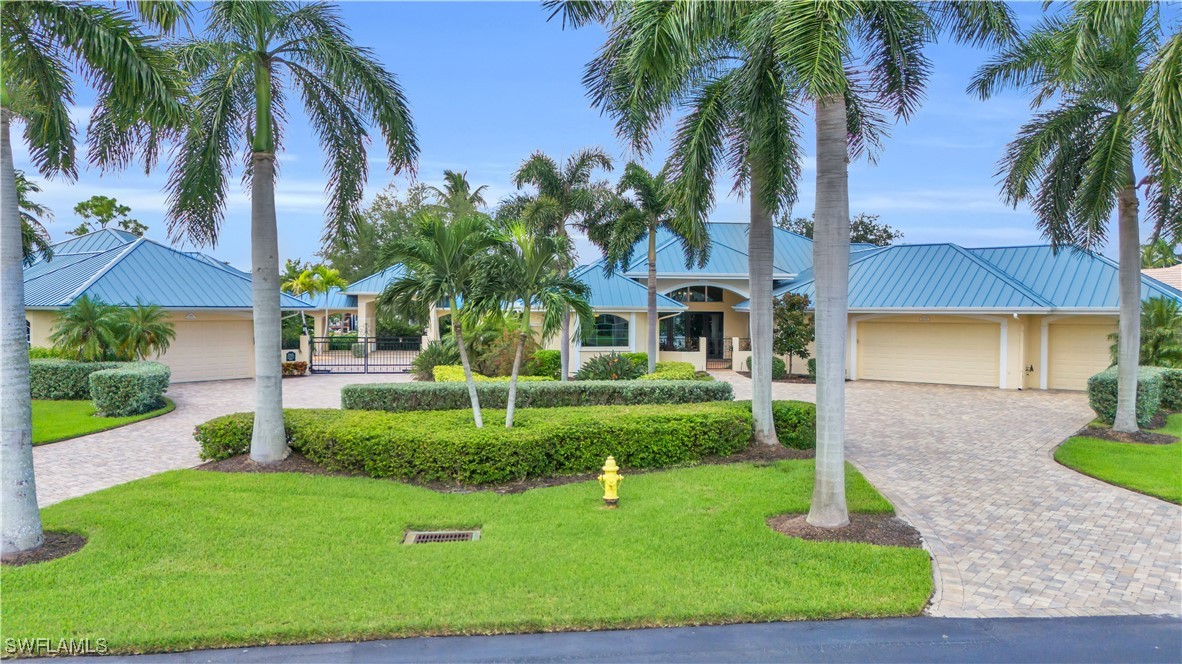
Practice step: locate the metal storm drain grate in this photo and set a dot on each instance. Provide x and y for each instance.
(434, 536)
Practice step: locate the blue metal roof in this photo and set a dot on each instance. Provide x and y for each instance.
(333, 299)
(728, 253)
(1070, 278)
(861, 246)
(377, 282)
(142, 271)
(216, 263)
(619, 292)
(97, 241)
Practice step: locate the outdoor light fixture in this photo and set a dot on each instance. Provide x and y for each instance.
(190, 316)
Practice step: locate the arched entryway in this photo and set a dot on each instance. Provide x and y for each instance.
(709, 326)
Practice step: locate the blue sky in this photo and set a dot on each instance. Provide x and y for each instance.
(490, 82)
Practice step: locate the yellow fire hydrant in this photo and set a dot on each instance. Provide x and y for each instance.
(610, 481)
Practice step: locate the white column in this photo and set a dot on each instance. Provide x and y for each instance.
(853, 363)
(1005, 339)
(632, 332)
(1043, 353)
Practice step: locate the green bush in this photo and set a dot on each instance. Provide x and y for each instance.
(342, 341)
(40, 353)
(639, 359)
(612, 366)
(779, 368)
(671, 374)
(63, 379)
(398, 397)
(812, 363)
(1102, 391)
(454, 374)
(359, 350)
(134, 388)
(796, 424)
(545, 363)
(436, 353)
(1171, 390)
(444, 446)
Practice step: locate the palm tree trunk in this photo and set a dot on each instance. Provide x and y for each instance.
(761, 253)
(652, 298)
(20, 519)
(564, 355)
(1129, 350)
(268, 444)
(511, 404)
(458, 330)
(831, 265)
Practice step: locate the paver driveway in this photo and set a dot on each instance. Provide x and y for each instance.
(82, 465)
(1012, 532)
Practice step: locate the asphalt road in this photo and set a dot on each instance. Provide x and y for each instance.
(1098, 639)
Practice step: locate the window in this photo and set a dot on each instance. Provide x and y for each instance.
(609, 330)
(697, 294)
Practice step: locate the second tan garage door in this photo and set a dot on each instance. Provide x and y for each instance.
(1075, 352)
(948, 353)
(211, 350)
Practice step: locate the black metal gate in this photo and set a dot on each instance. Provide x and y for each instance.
(350, 354)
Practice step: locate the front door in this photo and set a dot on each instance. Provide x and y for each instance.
(681, 332)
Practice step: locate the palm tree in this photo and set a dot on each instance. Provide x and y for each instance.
(89, 329)
(45, 44)
(313, 281)
(530, 270)
(1159, 253)
(35, 239)
(1094, 76)
(742, 71)
(145, 331)
(239, 72)
(652, 207)
(565, 196)
(1161, 334)
(457, 195)
(443, 261)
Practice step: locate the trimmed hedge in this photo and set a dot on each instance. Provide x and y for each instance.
(779, 368)
(42, 353)
(671, 371)
(796, 424)
(453, 374)
(400, 397)
(1102, 391)
(1171, 390)
(131, 389)
(611, 366)
(64, 379)
(545, 363)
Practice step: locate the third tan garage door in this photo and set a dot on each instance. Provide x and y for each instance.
(948, 353)
(1075, 352)
(211, 350)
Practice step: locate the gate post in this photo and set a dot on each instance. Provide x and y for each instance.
(365, 355)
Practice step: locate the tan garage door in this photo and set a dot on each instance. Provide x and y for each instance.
(1075, 352)
(211, 350)
(949, 353)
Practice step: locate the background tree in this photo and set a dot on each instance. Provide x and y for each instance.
(101, 211)
(564, 197)
(457, 197)
(144, 331)
(313, 282)
(443, 262)
(35, 240)
(254, 55)
(389, 216)
(1160, 253)
(793, 330)
(646, 204)
(1093, 77)
(1161, 334)
(864, 228)
(46, 47)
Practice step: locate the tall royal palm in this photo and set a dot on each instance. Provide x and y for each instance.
(1105, 89)
(444, 260)
(565, 196)
(254, 55)
(43, 45)
(742, 69)
(647, 205)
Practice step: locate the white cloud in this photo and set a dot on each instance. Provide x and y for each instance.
(970, 199)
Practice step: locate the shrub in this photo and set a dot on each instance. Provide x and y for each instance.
(639, 359)
(495, 356)
(295, 368)
(342, 341)
(131, 389)
(1171, 390)
(396, 397)
(612, 366)
(812, 363)
(455, 374)
(442, 352)
(779, 368)
(796, 424)
(672, 371)
(444, 446)
(63, 379)
(1102, 394)
(41, 353)
(545, 363)
(359, 350)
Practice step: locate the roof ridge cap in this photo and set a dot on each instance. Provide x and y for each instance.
(1010, 279)
(123, 251)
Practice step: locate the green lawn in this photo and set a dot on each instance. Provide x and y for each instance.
(1152, 469)
(60, 420)
(191, 559)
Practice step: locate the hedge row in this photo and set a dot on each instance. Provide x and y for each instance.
(64, 379)
(444, 446)
(671, 370)
(1157, 389)
(131, 389)
(396, 397)
(446, 373)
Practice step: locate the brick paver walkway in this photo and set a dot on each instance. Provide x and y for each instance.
(1012, 532)
(82, 465)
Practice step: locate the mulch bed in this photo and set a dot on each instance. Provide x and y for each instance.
(880, 529)
(57, 544)
(298, 463)
(1141, 437)
(791, 378)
